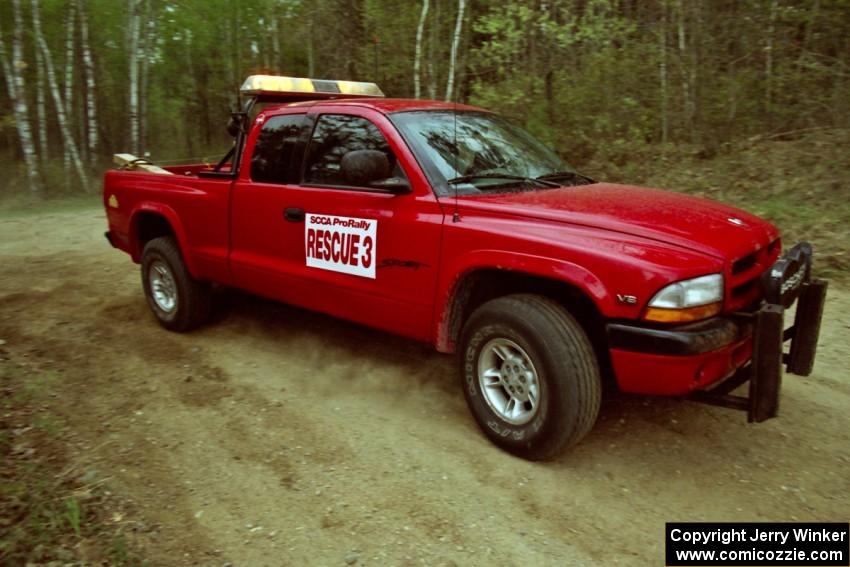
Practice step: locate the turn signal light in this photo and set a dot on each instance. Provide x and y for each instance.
(686, 315)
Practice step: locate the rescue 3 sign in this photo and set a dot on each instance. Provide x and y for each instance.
(341, 244)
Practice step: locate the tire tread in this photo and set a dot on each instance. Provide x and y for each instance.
(566, 342)
(195, 302)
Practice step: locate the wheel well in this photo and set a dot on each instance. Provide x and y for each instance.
(483, 285)
(150, 226)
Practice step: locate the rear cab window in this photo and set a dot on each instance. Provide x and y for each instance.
(278, 150)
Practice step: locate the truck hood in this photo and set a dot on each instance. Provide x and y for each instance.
(689, 222)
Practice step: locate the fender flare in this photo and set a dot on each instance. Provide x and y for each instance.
(172, 218)
(538, 266)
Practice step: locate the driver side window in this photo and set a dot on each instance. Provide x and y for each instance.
(336, 135)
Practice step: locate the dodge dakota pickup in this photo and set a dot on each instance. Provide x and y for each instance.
(448, 224)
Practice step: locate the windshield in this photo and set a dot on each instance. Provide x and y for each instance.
(477, 152)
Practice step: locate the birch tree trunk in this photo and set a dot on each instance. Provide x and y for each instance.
(69, 60)
(433, 41)
(17, 94)
(40, 113)
(40, 108)
(91, 87)
(417, 62)
(695, 63)
(6, 67)
(147, 51)
(311, 63)
(450, 83)
(133, 67)
(71, 151)
(144, 53)
(684, 65)
(196, 88)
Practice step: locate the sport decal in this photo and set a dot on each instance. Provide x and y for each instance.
(341, 244)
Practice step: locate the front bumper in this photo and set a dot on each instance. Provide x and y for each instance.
(710, 359)
(680, 360)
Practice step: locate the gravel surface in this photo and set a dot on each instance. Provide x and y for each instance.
(274, 436)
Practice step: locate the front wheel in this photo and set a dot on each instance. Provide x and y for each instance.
(529, 375)
(179, 301)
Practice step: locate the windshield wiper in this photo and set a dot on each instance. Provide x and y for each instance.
(506, 176)
(563, 174)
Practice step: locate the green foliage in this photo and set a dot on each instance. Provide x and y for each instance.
(45, 512)
(584, 75)
(73, 514)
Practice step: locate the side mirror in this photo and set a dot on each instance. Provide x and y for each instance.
(395, 185)
(371, 168)
(236, 123)
(233, 127)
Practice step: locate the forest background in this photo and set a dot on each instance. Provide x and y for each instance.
(745, 101)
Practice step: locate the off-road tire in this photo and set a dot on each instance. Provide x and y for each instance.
(565, 365)
(193, 298)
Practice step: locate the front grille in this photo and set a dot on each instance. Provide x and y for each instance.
(743, 287)
(745, 263)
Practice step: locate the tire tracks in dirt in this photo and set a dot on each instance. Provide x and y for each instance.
(280, 437)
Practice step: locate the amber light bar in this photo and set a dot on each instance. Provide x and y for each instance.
(273, 84)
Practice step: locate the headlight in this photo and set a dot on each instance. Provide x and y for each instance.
(688, 300)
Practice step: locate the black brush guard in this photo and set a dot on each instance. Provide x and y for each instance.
(788, 280)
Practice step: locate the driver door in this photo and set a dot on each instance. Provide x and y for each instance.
(352, 251)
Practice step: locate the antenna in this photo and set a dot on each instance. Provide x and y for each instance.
(456, 214)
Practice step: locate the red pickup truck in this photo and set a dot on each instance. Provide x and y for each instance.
(448, 224)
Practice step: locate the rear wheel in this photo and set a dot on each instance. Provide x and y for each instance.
(529, 375)
(179, 301)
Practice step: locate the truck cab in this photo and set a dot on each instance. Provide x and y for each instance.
(448, 224)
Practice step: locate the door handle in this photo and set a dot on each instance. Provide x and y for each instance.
(293, 214)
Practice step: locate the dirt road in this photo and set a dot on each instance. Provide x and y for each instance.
(279, 437)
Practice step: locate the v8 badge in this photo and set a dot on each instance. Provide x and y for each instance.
(627, 299)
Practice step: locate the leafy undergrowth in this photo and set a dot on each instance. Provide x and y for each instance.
(800, 182)
(50, 512)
